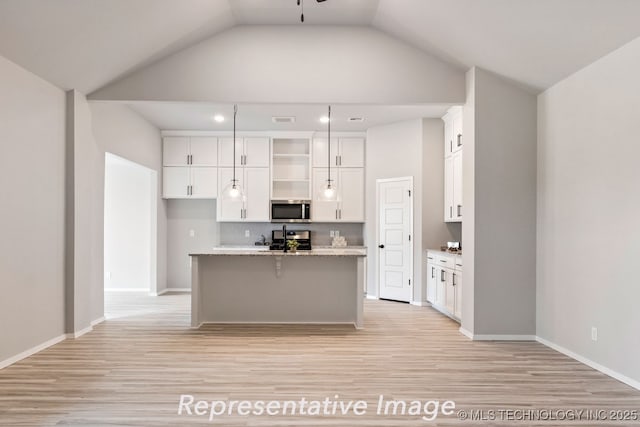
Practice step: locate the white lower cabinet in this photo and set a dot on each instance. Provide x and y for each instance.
(444, 283)
(186, 182)
(255, 206)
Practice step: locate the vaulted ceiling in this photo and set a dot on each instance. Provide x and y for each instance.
(86, 44)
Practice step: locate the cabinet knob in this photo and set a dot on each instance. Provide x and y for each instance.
(381, 246)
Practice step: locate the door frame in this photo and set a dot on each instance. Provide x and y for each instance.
(413, 240)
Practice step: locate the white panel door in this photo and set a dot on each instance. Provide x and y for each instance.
(322, 211)
(457, 186)
(229, 211)
(394, 237)
(204, 151)
(351, 152)
(175, 151)
(256, 188)
(256, 152)
(204, 182)
(351, 189)
(175, 182)
(320, 154)
(225, 152)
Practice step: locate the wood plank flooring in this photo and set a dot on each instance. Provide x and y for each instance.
(133, 368)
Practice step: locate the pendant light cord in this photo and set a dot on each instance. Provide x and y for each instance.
(329, 147)
(235, 112)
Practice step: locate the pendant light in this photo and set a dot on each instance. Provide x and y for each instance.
(328, 192)
(233, 190)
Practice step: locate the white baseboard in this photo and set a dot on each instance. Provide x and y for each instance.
(504, 337)
(598, 367)
(32, 351)
(421, 303)
(126, 289)
(164, 291)
(98, 321)
(372, 297)
(465, 333)
(78, 334)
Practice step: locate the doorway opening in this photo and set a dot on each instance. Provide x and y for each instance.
(130, 230)
(394, 206)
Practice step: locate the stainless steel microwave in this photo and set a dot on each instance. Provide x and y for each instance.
(290, 211)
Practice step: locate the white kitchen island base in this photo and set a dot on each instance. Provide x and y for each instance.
(315, 287)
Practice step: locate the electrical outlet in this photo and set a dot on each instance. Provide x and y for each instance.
(247, 233)
(332, 233)
(192, 233)
(337, 233)
(594, 334)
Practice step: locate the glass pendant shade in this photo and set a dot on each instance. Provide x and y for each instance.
(233, 191)
(328, 192)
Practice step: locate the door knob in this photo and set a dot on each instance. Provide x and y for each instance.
(381, 246)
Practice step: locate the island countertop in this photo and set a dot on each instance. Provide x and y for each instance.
(324, 251)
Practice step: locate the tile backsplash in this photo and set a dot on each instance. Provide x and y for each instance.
(234, 233)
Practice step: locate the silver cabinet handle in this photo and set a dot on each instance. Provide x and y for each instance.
(459, 212)
(459, 140)
(453, 279)
(433, 272)
(336, 213)
(340, 213)
(442, 276)
(451, 146)
(450, 211)
(340, 157)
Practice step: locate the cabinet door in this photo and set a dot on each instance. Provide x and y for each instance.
(456, 132)
(225, 152)
(204, 182)
(229, 210)
(432, 282)
(351, 205)
(256, 189)
(351, 152)
(256, 152)
(175, 182)
(204, 151)
(457, 311)
(448, 189)
(449, 292)
(441, 277)
(322, 211)
(175, 151)
(320, 153)
(448, 135)
(457, 186)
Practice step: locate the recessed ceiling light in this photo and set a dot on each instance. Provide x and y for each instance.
(218, 118)
(324, 119)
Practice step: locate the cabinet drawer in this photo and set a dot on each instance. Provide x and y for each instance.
(458, 263)
(441, 260)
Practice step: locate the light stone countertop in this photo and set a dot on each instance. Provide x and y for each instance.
(444, 252)
(355, 251)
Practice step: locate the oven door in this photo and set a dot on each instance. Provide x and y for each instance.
(290, 211)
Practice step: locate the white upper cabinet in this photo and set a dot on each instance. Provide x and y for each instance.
(189, 151)
(351, 189)
(204, 151)
(255, 206)
(345, 152)
(204, 182)
(175, 151)
(175, 182)
(225, 152)
(452, 131)
(453, 168)
(253, 152)
(256, 152)
(351, 152)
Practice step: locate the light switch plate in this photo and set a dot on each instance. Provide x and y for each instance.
(192, 233)
(332, 233)
(247, 233)
(594, 334)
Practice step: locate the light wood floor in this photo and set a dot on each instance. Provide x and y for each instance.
(132, 369)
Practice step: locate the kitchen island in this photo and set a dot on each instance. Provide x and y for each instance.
(256, 285)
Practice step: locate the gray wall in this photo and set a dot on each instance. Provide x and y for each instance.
(501, 209)
(32, 134)
(589, 210)
(120, 131)
(200, 216)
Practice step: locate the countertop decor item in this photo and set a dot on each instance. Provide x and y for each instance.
(292, 245)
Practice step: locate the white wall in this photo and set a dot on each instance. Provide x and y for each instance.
(32, 194)
(589, 210)
(120, 131)
(499, 204)
(295, 64)
(127, 224)
(393, 151)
